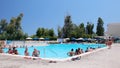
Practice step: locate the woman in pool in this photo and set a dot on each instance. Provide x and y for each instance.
(36, 53)
(26, 53)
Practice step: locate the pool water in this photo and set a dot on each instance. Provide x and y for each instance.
(56, 50)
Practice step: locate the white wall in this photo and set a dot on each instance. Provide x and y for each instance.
(113, 29)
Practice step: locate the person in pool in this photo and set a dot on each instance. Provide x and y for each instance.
(71, 53)
(1, 51)
(36, 53)
(16, 52)
(76, 52)
(26, 53)
(82, 51)
(14, 48)
(87, 50)
(10, 51)
(79, 51)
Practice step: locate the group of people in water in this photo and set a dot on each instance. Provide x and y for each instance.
(14, 51)
(79, 51)
(10, 51)
(89, 49)
(76, 52)
(35, 53)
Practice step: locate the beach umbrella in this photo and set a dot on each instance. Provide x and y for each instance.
(89, 39)
(41, 38)
(28, 38)
(67, 38)
(80, 39)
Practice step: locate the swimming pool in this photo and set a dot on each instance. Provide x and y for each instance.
(58, 51)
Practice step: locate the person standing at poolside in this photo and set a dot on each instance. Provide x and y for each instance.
(109, 43)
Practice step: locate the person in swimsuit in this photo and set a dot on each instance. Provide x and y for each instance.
(71, 53)
(16, 52)
(26, 53)
(36, 53)
(109, 43)
(1, 51)
(10, 51)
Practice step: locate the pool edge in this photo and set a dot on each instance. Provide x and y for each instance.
(50, 59)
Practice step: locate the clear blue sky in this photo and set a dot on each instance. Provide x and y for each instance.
(51, 13)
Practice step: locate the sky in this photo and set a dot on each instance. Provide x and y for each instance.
(51, 13)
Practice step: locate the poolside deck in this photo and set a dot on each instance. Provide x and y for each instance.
(107, 58)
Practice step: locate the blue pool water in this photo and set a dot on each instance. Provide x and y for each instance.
(56, 50)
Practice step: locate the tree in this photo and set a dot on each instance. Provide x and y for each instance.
(46, 33)
(40, 32)
(3, 25)
(51, 32)
(89, 28)
(67, 28)
(81, 30)
(14, 29)
(74, 31)
(100, 28)
(59, 32)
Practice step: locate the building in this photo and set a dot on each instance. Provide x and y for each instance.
(113, 29)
